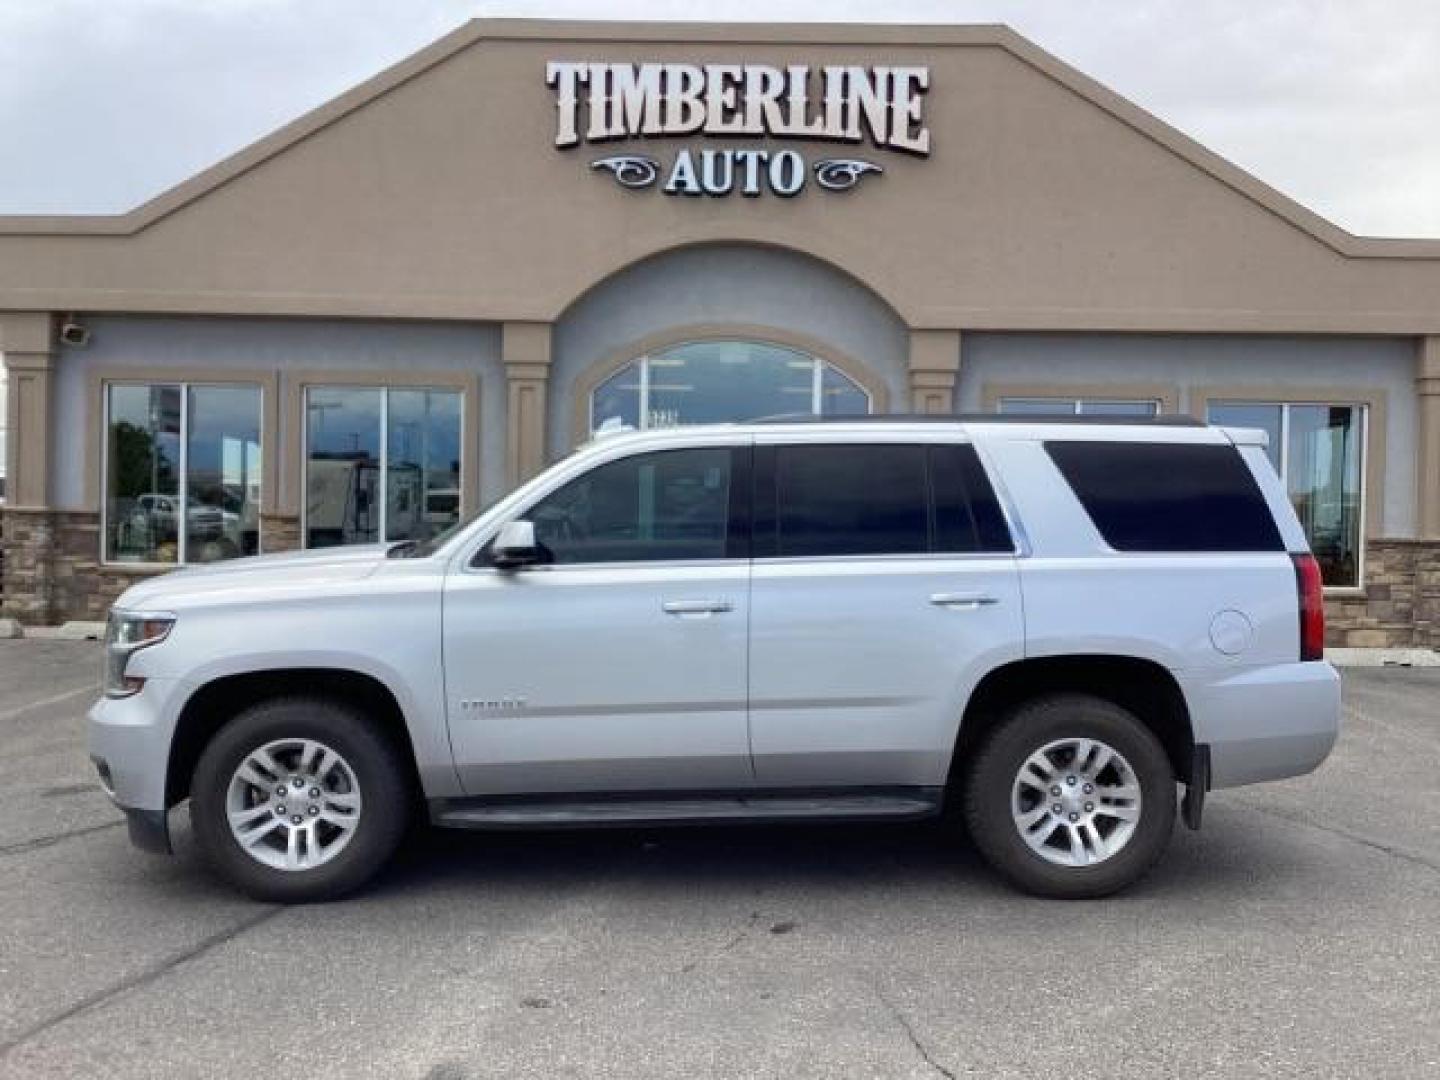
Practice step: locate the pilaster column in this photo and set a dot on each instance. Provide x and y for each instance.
(525, 348)
(28, 342)
(934, 365)
(1427, 389)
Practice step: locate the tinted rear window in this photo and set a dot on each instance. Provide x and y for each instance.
(851, 500)
(874, 499)
(1167, 496)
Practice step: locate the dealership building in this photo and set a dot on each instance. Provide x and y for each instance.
(396, 308)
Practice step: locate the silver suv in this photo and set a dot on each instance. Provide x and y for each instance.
(1049, 626)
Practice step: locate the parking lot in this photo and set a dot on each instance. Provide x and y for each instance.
(1297, 935)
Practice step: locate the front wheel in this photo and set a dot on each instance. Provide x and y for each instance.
(1071, 797)
(298, 799)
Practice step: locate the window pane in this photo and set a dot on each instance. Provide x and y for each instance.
(423, 476)
(617, 400)
(222, 512)
(718, 381)
(673, 504)
(1168, 496)
(968, 517)
(342, 471)
(1119, 408)
(851, 500)
(1264, 417)
(840, 395)
(1037, 406)
(1324, 486)
(142, 485)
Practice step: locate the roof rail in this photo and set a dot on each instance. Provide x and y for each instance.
(1163, 420)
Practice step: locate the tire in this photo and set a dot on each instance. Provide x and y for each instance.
(345, 833)
(1113, 850)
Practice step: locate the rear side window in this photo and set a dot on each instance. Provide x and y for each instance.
(1168, 497)
(967, 513)
(874, 499)
(851, 500)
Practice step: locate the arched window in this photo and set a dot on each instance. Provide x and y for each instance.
(705, 382)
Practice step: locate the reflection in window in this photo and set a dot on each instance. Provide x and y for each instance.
(182, 475)
(1077, 407)
(706, 382)
(671, 504)
(380, 463)
(1317, 451)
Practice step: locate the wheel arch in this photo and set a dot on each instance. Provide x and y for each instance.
(1142, 686)
(221, 699)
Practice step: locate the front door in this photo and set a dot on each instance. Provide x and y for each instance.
(884, 586)
(621, 663)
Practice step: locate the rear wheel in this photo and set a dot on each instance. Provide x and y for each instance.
(1071, 797)
(299, 799)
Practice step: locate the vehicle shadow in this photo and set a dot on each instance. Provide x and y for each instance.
(1231, 860)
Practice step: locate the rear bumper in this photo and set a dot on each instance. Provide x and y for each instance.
(1264, 723)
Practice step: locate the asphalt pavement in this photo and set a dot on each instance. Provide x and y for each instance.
(1297, 935)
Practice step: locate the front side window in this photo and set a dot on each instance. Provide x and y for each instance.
(1317, 450)
(667, 505)
(1015, 406)
(182, 472)
(707, 382)
(381, 464)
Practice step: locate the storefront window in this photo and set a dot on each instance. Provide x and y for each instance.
(380, 463)
(182, 477)
(1077, 406)
(1317, 451)
(707, 382)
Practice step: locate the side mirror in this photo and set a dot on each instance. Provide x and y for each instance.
(515, 547)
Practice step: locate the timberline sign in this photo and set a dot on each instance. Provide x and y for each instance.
(839, 103)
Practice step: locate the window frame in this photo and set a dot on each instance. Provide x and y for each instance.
(1077, 404)
(819, 365)
(1366, 409)
(183, 490)
(384, 389)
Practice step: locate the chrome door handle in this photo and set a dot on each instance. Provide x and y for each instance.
(964, 600)
(696, 607)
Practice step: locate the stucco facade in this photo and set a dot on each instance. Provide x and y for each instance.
(425, 230)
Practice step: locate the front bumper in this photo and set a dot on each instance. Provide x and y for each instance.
(130, 746)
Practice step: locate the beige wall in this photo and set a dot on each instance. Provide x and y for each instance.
(436, 191)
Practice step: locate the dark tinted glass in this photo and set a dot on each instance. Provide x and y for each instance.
(967, 514)
(673, 504)
(851, 500)
(1168, 497)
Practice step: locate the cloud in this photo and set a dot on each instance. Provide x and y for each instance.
(105, 103)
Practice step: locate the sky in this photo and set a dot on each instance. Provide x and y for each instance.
(106, 103)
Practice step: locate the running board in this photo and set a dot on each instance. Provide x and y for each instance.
(549, 812)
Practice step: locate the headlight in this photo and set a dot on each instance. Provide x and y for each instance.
(126, 633)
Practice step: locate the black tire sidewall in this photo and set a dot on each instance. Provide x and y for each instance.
(378, 772)
(1028, 728)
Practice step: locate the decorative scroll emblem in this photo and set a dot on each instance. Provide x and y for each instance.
(630, 170)
(842, 174)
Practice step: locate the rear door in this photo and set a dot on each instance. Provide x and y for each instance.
(884, 585)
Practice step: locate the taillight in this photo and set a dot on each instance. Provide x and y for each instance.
(1312, 607)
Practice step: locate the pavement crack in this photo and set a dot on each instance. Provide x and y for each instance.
(139, 980)
(1346, 834)
(38, 842)
(920, 1048)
